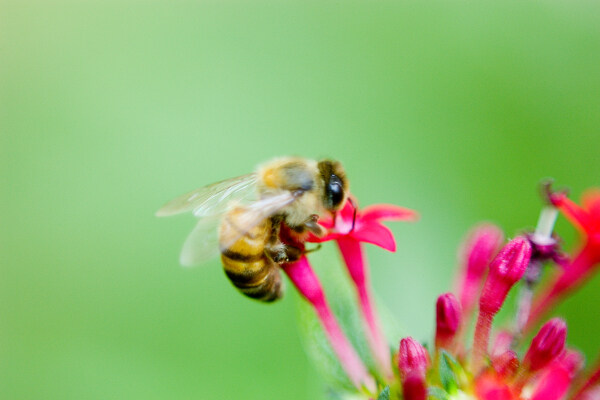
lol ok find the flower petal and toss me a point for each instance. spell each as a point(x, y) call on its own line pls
point(577, 215)
point(347, 212)
point(553, 384)
point(326, 221)
point(591, 202)
point(489, 387)
point(312, 238)
point(388, 212)
point(375, 233)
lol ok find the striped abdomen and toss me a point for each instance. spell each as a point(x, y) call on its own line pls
point(245, 262)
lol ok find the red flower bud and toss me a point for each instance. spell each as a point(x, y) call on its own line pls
point(448, 318)
point(481, 245)
point(412, 357)
point(505, 270)
point(414, 388)
point(548, 344)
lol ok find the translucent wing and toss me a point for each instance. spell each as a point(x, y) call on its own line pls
point(212, 199)
point(202, 243)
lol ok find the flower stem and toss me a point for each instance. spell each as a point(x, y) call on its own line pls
point(481, 340)
point(374, 335)
point(307, 283)
point(356, 263)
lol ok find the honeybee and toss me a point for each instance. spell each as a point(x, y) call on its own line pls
point(242, 218)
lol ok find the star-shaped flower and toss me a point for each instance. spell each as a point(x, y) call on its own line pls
point(586, 219)
point(364, 225)
point(350, 228)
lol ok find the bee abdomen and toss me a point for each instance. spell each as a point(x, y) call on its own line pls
point(245, 262)
point(259, 278)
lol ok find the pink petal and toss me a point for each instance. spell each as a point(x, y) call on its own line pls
point(591, 202)
point(375, 233)
point(575, 214)
point(354, 257)
point(388, 212)
point(482, 243)
point(489, 387)
point(326, 222)
point(591, 199)
point(347, 212)
point(312, 238)
point(553, 384)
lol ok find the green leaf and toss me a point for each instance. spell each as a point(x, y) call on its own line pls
point(385, 394)
point(447, 368)
point(437, 393)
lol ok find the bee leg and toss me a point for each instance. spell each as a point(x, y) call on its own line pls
point(313, 226)
point(294, 253)
point(317, 247)
point(277, 252)
point(282, 253)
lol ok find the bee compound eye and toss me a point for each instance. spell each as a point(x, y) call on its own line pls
point(336, 193)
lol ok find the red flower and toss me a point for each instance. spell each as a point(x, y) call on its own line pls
point(490, 387)
point(349, 229)
point(448, 318)
point(587, 220)
point(365, 225)
point(505, 270)
point(547, 345)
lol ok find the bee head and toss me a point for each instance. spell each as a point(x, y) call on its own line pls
point(335, 184)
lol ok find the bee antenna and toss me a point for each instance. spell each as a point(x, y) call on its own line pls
point(353, 215)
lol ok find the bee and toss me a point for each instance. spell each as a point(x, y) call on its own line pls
point(243, 217)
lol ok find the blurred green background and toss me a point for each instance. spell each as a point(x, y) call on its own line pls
point(110, 108)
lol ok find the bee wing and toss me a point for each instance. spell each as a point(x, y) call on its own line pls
point(212, 199)
point(202, 243)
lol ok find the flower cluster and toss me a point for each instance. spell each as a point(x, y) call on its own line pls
point(485, 364)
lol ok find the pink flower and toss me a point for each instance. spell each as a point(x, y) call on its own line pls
point(491, 387)
point(413, 361)
point(303, 277)
point(506, 364)
point(414, 387)
point(548, 344)
point(482, 244)
point(587, 220)
point(553, 383)
point(448, 318)
point(351, 228)
point(505, 270)
point(547, 371)
point(412, 357)
point(365, 225)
